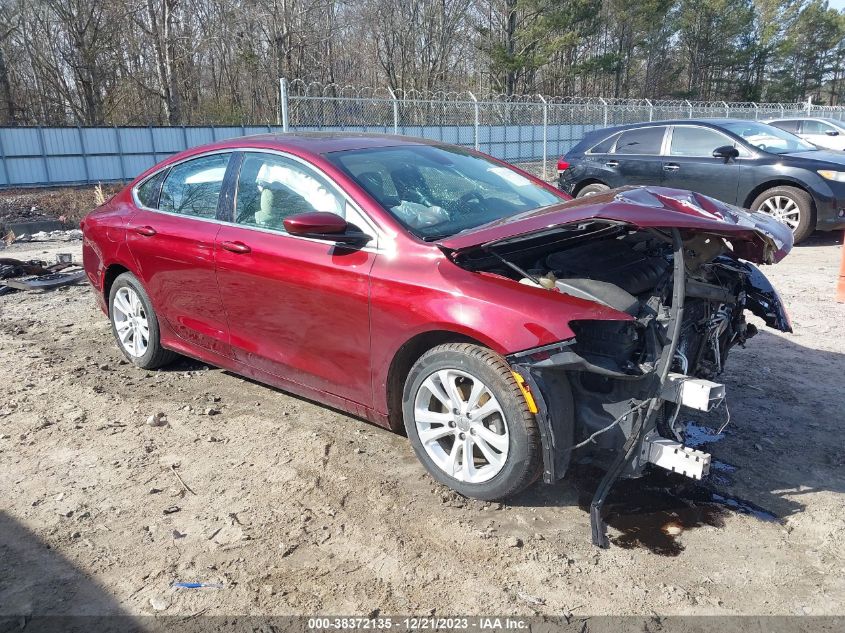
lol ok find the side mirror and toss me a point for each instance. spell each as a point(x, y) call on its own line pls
point(322, 225)
point(727, 152)
point(832, 133)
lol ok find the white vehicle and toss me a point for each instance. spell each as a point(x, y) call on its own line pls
point(820, 131)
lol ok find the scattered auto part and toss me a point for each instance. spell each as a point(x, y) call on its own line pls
point(46, 282)
point(10, 267)
point(16, 274)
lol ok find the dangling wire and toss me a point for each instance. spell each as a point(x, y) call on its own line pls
point(727, 414)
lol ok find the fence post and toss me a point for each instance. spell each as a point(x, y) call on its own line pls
point(84, 154)
point(782, 110)
point(7, 181)
point(650, 111)
point(604, 107)
point(475, 122)
point(727, 110)
point(690, 108)
point(395, 110)
point(756, 110)
point(120, 153)
point(44, 160)
point(545, 133)
point(283, 103)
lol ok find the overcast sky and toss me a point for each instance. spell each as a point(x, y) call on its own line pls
point(836, 4)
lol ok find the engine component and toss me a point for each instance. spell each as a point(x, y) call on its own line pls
point(625, 263)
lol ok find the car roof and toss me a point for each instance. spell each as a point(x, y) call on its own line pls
point(592, 137)
point(808, 118)
point(319, 142)
point(707, 122)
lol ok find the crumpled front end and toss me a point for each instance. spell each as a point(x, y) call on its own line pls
point(681, 295)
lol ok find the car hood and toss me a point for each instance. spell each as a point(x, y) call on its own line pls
point(828, 156)
point(754, 236)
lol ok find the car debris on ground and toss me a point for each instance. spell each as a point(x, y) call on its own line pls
point(48, 236)
point(16, 274)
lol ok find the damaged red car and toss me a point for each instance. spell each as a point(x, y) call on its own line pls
point(507, 329)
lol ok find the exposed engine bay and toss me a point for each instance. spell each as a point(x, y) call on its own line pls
point(681, 300)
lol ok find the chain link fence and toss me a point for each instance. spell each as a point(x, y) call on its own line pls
point(532, 128)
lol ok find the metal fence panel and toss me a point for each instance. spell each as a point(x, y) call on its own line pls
point(515, 129)
point(36, 156)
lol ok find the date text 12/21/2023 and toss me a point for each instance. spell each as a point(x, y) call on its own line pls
point(430, 623)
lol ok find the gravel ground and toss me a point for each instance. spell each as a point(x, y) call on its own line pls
point(297, 509)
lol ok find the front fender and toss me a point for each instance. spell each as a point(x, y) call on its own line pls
point(763, 300)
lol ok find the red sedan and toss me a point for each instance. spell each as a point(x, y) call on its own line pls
point(429, 287)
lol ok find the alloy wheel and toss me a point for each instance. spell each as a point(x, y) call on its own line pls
point(783, 209)
point(461, 425)
point(130, 322)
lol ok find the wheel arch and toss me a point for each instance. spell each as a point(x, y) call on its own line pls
point(405, 357)
point(776, 182)
point(112, 272)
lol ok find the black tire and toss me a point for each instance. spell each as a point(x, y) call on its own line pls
point(523, 463)
point(155, 355)
point(807, 213)
point(591, 190)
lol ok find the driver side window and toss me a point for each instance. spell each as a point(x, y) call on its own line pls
point(696, 141)
point(817, 127)
point(272, 188)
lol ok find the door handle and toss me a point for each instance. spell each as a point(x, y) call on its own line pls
point(612, 163)
point(147, 231)
point(235, 247)
point(671, 167)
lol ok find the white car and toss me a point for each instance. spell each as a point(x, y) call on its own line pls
point(823, 132)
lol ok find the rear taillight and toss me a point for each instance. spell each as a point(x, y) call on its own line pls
point(562, 165)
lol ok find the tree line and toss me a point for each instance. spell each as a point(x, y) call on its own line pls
point(92, 62)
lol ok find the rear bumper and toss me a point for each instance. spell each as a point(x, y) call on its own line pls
point(566, 182)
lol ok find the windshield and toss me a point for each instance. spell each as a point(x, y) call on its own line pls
point(767, 137)
point(437, 191)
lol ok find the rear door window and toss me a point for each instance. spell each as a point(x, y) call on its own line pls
point(641, 141)
point(817, 127)
point(193, 187)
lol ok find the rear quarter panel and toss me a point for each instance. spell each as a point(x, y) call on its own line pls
point(104, 241)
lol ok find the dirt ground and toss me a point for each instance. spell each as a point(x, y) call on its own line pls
point(293, 508)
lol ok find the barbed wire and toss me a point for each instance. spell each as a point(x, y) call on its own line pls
point(299, 88)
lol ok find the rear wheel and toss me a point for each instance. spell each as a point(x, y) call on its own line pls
point(469, 423)
point(135, 325)
point(791, 206)
point(591, 190)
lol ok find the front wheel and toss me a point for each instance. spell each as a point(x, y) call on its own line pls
point(791, 206)
point(469, 424)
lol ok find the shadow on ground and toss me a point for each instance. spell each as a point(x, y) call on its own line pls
point(41, 590)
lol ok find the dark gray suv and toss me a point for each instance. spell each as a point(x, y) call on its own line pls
point(746, 163)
